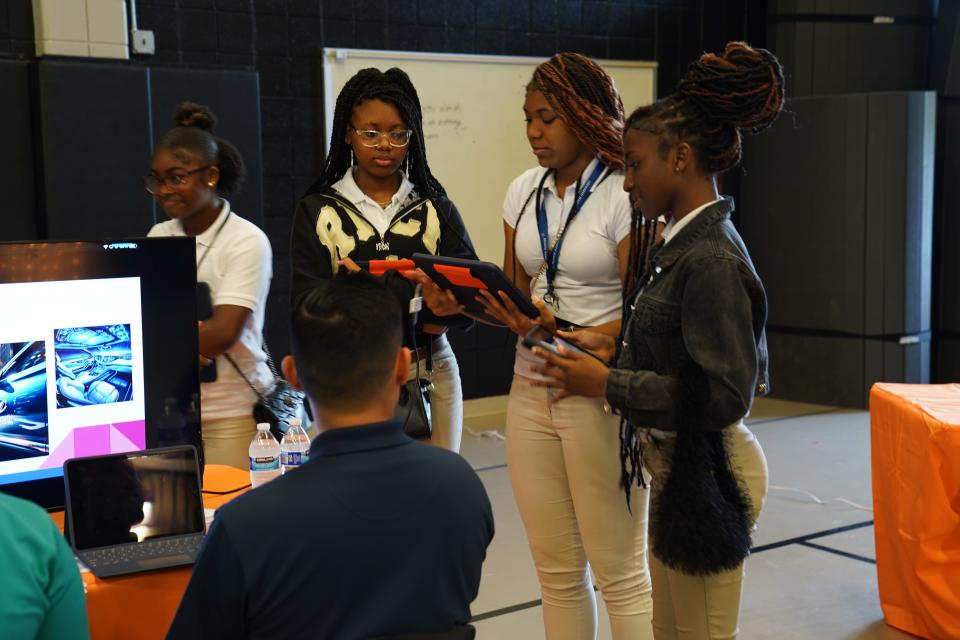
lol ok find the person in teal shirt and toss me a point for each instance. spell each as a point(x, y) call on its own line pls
point(41, 594)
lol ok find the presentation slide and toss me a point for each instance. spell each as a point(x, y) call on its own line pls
point(71, 374)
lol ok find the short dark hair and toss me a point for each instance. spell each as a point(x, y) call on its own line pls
point(345, 337)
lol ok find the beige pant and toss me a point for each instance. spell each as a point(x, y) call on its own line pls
point(227, 440)
point(564, 466)
point(446, 396)
point(696, 607)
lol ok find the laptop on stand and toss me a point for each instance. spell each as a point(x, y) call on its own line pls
point(136, 511)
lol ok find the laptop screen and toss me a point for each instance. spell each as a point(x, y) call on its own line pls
point(132, 497)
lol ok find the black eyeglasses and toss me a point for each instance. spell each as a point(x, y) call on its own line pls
point(371, 137)
point(153, 182)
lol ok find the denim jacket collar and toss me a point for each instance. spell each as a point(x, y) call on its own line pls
point(665, 255)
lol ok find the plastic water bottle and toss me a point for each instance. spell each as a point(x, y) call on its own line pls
point(295, 447)
point(264, 456)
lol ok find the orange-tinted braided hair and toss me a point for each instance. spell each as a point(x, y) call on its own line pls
point(717, 98)
point(586, 98)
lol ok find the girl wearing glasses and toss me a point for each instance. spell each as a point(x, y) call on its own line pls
point(191, 172)
point(567, 226)
point(376, 199)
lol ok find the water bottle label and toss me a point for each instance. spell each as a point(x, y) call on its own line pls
point(293, 458)
point(264, 463)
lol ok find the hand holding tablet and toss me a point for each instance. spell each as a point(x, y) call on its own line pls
point(465, 280)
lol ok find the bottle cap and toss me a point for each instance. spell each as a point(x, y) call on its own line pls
point(294, 422)
point(263, 426)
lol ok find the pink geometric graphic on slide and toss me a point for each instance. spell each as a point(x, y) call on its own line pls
point(117, 437)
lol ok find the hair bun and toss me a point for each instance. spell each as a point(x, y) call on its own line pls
point(191, 114)
point(743, 87)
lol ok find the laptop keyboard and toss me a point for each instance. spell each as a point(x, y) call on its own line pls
point(160, 548)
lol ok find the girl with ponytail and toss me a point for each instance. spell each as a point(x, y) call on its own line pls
point(573, 209)
point(692, 352)
point(377, 199)
point(191, 173)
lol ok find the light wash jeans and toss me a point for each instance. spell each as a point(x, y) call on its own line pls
point(446, 396)
point(703, 607)
point(564, 466)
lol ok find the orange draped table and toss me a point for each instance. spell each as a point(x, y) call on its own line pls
point(141, 605)
point(915, 453)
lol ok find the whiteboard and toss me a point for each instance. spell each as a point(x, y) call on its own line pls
point(473, 121)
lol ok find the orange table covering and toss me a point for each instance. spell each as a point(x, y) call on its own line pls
point(141, 606)
point(915, 453)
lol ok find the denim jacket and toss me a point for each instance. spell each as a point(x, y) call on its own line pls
point(701, 301)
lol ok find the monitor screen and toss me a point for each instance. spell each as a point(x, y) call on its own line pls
point(98, 355)
point(134, 497)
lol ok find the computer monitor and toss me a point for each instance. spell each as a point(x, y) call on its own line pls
point(98, 354)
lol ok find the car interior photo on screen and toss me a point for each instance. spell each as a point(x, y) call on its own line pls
point(93, 365)
point(23, 400)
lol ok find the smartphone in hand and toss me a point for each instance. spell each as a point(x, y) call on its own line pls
point(540, 336)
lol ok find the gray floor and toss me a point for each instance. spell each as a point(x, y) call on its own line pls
point(812, 575)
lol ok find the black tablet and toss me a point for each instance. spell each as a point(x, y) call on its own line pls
point(465, 278)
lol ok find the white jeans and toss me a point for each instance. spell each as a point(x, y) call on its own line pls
point(446, 396)
point(564, 466)
point(703, 607)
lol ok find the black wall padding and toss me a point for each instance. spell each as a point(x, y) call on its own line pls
point(18, 218)
point(95, 134)
point(485, 356)
point(948, 213)
point(838, 371)
point(947, 269)
point(836, 208)
point(235, 98)
point(829, 46)
point(948, 359)
point(945, 61)
point(802, 209)
point(899, 212)
point(903, 8)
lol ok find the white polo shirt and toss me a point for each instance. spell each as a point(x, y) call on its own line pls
point(237, 267)
point(588, 275)
point(379, 217)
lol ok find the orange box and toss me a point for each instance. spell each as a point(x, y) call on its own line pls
point(915, 454)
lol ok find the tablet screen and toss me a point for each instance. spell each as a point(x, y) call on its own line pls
point(133, 497)
point(466, 278)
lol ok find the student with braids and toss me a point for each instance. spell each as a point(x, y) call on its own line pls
point(191, 172)
point(693, 348)
point(567, 225)
point(377, 200)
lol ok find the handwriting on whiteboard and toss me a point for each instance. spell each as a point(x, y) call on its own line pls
point(442, 120)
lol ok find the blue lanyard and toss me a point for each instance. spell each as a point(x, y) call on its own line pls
point(551, 257)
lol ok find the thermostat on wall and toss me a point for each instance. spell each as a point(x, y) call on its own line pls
point(142, 42)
